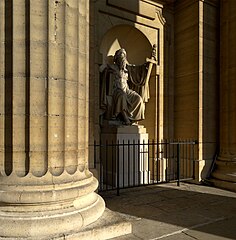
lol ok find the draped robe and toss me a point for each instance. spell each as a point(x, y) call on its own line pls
point(124, 91)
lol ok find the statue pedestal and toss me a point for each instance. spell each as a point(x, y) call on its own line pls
point(131, 155)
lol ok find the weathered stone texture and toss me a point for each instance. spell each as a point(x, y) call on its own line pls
point(43, 120)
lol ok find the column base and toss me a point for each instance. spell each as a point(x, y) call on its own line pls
point(43, 212)
point(47, 225)
point(224, 175)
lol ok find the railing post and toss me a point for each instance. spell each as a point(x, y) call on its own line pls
point(101, 166)
point(143, 161)
point(106, 161)
point(112, 165)
point(118, 169)
point(139, 172)
point(148, 156)
point(194, 142)
point(133, 162)
point(178, 164)
point(128, 163)
point(95, 156)
point(123, 161)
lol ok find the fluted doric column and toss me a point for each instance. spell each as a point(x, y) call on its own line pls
point(226, 164)
point(46, 188)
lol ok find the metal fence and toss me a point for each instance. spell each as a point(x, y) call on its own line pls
point(131, 164)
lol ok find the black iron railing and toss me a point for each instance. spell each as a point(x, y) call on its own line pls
point(131, 164)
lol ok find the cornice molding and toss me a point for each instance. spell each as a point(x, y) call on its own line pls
point(160, 16)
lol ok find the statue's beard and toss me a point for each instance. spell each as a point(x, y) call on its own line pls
point(121, 63)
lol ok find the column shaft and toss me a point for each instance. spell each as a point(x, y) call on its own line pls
point(83, 85)
point(71, 86)
point(56, 87)
point(2, 88)
point(225, 169)
point(227, 82)
point(19, 161)
point(231, 76)
point(38, 93)
point(44, 120)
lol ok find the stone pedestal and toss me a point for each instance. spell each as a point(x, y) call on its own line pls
point(128, 149)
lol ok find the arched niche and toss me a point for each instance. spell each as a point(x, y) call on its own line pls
point(135, 43)
point(138, 48)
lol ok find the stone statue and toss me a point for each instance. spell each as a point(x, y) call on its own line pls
point(124, 89)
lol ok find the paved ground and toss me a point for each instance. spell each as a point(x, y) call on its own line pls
point(169, 212)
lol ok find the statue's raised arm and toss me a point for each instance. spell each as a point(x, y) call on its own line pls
point(124, 89)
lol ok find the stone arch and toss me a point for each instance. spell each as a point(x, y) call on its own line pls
point(128, 37)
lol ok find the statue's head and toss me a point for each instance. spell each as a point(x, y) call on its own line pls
point(120, 57)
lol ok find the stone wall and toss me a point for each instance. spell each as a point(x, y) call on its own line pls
point(184, 101)
point(196, 78)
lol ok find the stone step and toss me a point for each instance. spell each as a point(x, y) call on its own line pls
point(231, 186)
point(224, 175)
point(110, 225)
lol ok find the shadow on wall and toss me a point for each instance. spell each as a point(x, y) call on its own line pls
point(131, 39)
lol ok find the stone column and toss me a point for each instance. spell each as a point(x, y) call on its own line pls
point(226, 164)
point(46, 189)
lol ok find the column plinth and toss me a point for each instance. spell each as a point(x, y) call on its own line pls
point(49, 209)
point(225, 172)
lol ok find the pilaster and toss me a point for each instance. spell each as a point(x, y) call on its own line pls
point(196, 80)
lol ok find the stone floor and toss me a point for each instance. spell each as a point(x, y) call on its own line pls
point(169, 212)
